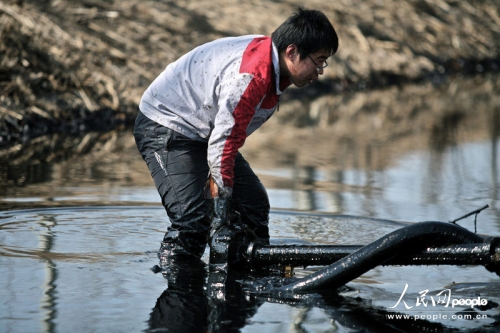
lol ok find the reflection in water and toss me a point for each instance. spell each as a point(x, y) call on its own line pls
point(48, 302)
point(445, 130)
point(352, 165)
point(25, 174)
point(494, 134)
point(183, 306)
point(194, 302)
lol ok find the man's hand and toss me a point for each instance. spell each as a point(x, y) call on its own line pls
point(216, 191)
point(221, 208)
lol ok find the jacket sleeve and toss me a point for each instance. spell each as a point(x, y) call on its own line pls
point(239, 98)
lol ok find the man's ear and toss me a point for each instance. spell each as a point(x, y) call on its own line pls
point(292, 52)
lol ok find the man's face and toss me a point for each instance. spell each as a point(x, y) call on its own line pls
point(307, 70)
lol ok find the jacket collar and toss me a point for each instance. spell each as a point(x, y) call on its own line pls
point(280, 86)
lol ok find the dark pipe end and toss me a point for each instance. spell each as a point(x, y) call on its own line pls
point(494, 264)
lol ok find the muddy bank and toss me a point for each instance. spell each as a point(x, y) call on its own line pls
point(77, 66)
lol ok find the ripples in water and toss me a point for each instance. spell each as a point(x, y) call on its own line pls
point(89, 268)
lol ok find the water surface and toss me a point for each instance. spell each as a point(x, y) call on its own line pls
point(79, 235)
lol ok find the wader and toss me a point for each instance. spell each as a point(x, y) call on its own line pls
point(180, 171)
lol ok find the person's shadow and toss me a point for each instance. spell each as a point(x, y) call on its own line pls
point(197, 300)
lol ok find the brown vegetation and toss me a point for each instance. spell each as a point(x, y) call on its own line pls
point(81, 65)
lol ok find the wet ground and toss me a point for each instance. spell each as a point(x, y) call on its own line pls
point(79, 234)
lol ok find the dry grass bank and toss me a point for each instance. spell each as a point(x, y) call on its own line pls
point(67, 61)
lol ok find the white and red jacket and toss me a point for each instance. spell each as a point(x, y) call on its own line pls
point(219, 92)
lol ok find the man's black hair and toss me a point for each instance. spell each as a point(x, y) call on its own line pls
point(309, 30)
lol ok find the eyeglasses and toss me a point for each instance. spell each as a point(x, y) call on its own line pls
point(318, 67)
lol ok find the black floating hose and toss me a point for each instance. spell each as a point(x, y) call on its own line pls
point(404, 241)
point(324, 255)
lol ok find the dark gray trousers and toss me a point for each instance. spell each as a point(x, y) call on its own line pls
point(180, 171)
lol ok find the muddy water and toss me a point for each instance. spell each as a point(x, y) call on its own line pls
point(78, 239)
